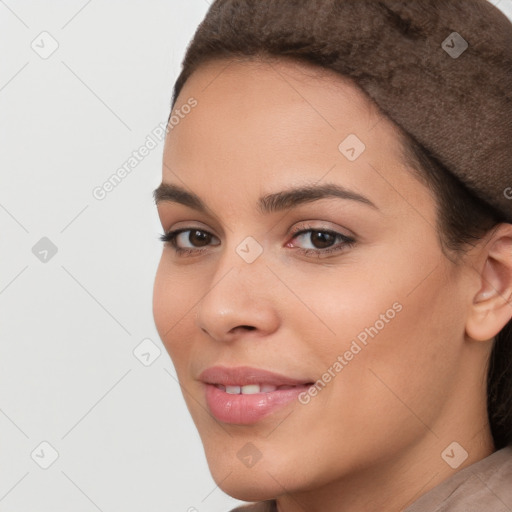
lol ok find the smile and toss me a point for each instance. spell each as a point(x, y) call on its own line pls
point(244, 395)
point(251, 389)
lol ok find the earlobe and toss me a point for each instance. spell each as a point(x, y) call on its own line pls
point(492, 304)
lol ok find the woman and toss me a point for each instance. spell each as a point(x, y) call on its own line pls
point(335, 289)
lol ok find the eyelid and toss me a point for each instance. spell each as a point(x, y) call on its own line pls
point(347, 241)
point(308, 226)
point(174, 233)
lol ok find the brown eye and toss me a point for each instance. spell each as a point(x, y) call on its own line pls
point(322, 241)
point(198, 238)
point(188, 240)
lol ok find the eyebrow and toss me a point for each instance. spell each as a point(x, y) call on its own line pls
point(269, 203)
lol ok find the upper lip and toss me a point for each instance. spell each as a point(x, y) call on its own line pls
point(244, 375)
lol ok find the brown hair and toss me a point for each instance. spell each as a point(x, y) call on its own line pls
point(463, 218)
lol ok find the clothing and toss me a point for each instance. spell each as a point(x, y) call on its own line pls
point(485, 486)
point(262, 506)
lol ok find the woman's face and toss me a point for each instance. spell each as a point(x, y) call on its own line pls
point(362, 301)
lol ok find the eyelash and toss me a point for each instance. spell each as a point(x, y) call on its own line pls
point(347, 242)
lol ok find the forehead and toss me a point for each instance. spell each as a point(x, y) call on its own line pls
point(262, 70)
point(271, 84)
point(273, 97)
point(263, 122)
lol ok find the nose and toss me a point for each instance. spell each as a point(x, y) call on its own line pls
point(239, 298)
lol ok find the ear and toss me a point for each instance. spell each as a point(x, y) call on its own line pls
point(492, 305)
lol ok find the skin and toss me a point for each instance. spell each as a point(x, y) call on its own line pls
point(372, 438)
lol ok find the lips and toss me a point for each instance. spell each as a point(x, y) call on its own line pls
point(245, 395)
point(246, 376)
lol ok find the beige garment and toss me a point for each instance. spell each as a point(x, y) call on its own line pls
point(262, 506)
point(485, 486)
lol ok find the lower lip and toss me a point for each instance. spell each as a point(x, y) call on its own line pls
point(246, 409)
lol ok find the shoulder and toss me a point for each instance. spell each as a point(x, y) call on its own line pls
point(484, 485)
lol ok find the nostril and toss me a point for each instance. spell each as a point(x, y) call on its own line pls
point(247, 327)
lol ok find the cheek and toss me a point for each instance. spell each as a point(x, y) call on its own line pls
point(161, 296)
point(396, 335)
point(398, 377)
point(172, 300)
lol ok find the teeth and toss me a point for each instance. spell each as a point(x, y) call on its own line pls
point(250, 389)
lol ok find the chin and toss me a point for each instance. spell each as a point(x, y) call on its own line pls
point(268, 478)
point(249, 485)
point(252, 492)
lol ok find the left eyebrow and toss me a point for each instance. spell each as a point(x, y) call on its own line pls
point(277, 201)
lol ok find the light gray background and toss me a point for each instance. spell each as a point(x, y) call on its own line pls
point(69, 324)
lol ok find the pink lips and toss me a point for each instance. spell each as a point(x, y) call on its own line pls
point(244, 409)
